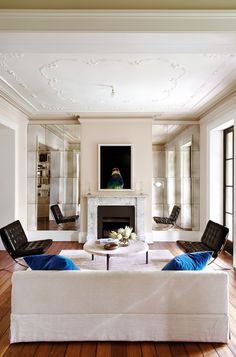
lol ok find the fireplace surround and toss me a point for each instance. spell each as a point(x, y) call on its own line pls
point(111, 218)
point(136, 201)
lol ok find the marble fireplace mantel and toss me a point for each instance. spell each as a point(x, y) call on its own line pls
point(95, 200)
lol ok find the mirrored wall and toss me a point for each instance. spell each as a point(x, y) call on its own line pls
point(53, 175)
point(176, 174)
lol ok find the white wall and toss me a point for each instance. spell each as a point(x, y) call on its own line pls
point(7, 177)
point(223, 113)
point(12, 119)
point(116, 131)
point(216, 175)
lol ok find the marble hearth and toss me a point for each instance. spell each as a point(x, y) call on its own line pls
point(93, 201)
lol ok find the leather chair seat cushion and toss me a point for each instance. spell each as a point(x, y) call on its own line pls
point(35, 247)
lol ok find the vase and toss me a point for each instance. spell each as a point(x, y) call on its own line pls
point(124, 242)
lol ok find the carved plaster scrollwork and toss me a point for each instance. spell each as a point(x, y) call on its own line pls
point(174, 70)
point(95, 62)
point(53, 81)
point(178, 72)
point(52, 108)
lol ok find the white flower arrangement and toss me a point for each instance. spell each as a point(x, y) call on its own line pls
point(123, 233)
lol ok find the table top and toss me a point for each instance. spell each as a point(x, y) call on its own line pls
point(135, 247)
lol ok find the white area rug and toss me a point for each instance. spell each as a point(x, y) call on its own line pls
point(157, 260)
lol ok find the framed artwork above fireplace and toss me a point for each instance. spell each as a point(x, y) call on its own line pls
point(115, 167)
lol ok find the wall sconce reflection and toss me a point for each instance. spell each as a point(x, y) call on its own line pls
point(160, 186)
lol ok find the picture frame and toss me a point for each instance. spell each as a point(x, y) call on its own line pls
point(115, 156)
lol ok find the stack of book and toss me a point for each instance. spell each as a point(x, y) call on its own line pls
point(104, 241)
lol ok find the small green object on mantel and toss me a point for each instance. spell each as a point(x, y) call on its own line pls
point(116, 181)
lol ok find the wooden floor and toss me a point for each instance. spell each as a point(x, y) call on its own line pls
point(43, 224)
point(110, 349)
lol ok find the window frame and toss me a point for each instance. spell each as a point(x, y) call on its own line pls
point(229, 244)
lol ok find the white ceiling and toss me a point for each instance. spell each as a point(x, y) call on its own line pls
point(167, 76)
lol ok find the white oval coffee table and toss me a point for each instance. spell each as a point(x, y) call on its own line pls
point(133, 248)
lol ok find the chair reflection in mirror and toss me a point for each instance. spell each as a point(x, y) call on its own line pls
point(171, 220)
point(60, 218)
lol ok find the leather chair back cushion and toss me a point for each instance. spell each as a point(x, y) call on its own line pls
point(57, 213)
point(215, 235)
point(174, 213)
point(13, 236)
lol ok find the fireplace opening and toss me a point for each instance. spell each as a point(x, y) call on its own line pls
point(111, 218)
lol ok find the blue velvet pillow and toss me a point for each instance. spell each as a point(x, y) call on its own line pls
point(50, 262)
point(189, 261)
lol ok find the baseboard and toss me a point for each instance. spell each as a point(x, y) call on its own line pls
point(173, 236)
point(57, 236)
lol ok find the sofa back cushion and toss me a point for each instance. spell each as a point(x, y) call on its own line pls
point(113, 292)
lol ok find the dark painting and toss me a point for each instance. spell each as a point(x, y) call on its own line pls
point(115, 156)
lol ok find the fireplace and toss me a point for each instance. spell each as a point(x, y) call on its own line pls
point(111, 218)
point(129, 200)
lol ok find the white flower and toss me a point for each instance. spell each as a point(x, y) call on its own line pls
point(127, 232)
point(121, 233)
point(113, 234)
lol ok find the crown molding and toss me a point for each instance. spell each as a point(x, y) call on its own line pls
point(175, 122)
point(225, 105)
point(9, 114)
point(117, 20)
point(114, 119)
point(14, 103)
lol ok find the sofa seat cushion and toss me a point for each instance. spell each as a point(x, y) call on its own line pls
point(189, 261)
point(50, 262)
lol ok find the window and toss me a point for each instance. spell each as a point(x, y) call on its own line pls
point(229, 185)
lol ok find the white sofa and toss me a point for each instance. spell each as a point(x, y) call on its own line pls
point(128, 306)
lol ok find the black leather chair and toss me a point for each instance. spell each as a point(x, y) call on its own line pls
point(59, 218)
point(17, 244)
point(213, 239)
point(171, 219)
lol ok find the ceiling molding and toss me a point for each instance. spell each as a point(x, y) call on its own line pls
point(117, 20)
point(114, 119)
point(175, 122)
point(223, 105)
point(66, 121)
point(15, 103)
point(218, 100)
point(9, 111)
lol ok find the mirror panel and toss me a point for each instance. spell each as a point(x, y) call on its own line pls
point(176, 174)
point(53, 174)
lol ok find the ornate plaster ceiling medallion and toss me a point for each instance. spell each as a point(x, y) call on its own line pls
point(76, 84)
point(176, 72)
point(178, 85)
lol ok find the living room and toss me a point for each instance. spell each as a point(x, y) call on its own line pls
point(23, 40)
